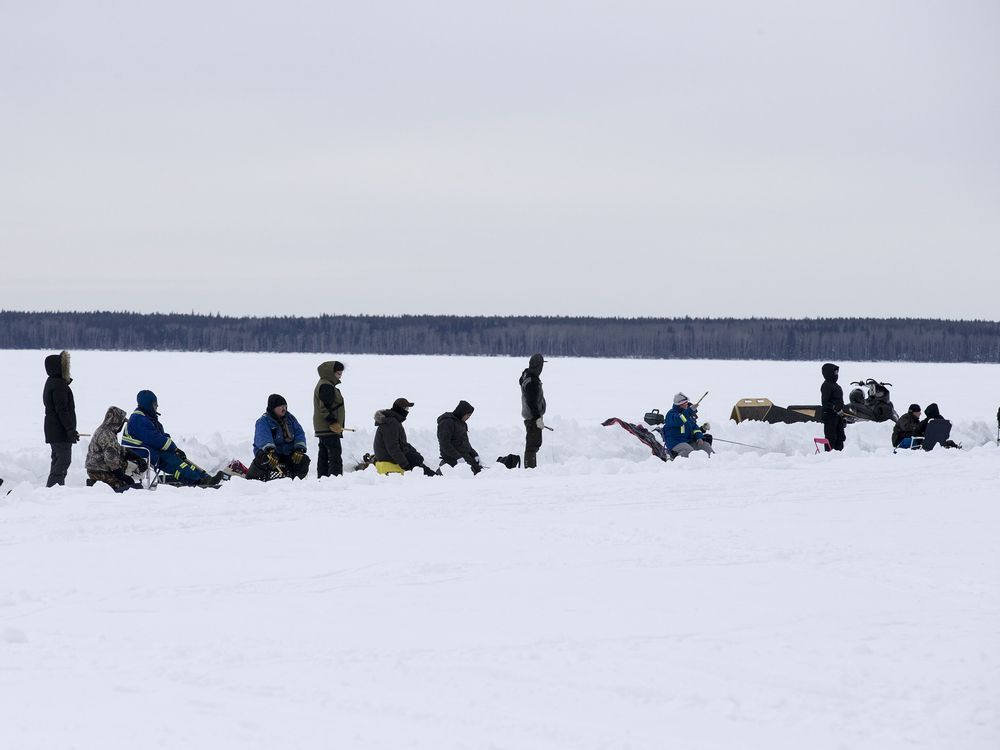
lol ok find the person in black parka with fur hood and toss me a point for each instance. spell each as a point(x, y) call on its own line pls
point(453, 437)
point(832, 399)
point(60, 416)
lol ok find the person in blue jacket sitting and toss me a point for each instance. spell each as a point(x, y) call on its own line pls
point(279, 444)
point(681, 433)
point(143, 430)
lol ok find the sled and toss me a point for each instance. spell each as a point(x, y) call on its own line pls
point(765, 410)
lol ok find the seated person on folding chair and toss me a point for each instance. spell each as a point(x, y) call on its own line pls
point(107, 459)
point(279, 444)
point(145, 431)
point(908, 427)
point(681, 433)
point(931, 419)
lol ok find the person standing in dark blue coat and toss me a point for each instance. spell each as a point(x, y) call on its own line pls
point(279, 444)
point(681, 433)
point(144, 430)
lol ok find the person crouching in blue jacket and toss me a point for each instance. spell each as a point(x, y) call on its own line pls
point(143, 430)
point(681, 433)
point(279, 444)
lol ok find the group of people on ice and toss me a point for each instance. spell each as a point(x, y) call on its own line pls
point(280, 448)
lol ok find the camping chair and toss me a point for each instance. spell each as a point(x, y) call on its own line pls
point(152, 477)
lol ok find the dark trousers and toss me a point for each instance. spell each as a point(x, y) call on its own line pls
point(263, 472)
point(834, 431)
point(62, 455)
point(532, 442)
point(330, 459)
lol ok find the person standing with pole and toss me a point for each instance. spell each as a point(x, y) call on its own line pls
point(328, 419)
point(532, 409)
point(60, 416)
point(832, 400)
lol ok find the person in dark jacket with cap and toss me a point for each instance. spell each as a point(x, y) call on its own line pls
point(60, 416)
point(393, 454)
point(279, 444)
point(453, 437)
point(532, 409)
point(907, 427)
point(832, 400)
point(328, 419)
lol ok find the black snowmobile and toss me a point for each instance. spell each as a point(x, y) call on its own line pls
point(870, 402)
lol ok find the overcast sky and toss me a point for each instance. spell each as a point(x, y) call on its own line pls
point(579, 158)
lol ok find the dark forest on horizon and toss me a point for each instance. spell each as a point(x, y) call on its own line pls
point(849, 339)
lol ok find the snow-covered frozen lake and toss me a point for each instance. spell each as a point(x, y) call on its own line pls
point(757, 599)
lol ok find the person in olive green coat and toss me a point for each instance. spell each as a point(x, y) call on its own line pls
point(328, 419)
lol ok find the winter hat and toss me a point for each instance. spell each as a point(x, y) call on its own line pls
point(680, 398)
point(463, 408)
point(914, 407)
point(147, 402)
point(274, 401)
point(535, 363)
point(402, 404)
point(830, 371)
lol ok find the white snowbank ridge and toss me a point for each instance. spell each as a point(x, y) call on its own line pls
point(606, 600)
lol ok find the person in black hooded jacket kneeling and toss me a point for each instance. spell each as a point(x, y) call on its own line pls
point(453, 437)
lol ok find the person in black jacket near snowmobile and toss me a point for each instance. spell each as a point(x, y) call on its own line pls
point(453, 437)
point(832, 400)
point(60, 416)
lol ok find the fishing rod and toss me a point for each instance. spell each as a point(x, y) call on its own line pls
point(733, 442)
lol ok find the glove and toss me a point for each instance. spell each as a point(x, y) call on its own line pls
point(270, 459)
point(706, 427)
point(540, 424)
point(181, 454)
point(336, 428)
point(297, 457)
point(476, 468)
point(141, 463)
point(428, 471)
point(74, 436)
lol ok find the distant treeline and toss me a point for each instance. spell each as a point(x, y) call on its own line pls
point(864, 339)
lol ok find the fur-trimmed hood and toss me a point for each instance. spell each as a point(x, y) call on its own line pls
point(57, 366)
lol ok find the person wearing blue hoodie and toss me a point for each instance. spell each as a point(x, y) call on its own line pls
point(279, 444)
point(143, 430)
point(681, 433)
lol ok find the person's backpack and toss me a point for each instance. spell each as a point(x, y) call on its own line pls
point(511, 461)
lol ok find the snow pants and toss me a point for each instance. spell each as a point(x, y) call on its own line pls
point(182, 470)
point(834, 430)
point(330, 459)
point(683, 450)
point(532, 442)
point(62, 456)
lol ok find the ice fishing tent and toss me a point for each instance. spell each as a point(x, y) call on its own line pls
point(764, 410)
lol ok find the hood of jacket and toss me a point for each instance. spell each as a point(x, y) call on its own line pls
point(463, 408)
point(449, 416)
point(114, 418)
point(831, 371)
point(57, 366)
point(535, 364)
point(327, 371)
point(383, 415)
point(147, 403)
point(932, 411)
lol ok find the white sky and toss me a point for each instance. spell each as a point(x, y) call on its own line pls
point(618, 158)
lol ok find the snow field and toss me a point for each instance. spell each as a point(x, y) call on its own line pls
point(605, 600)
